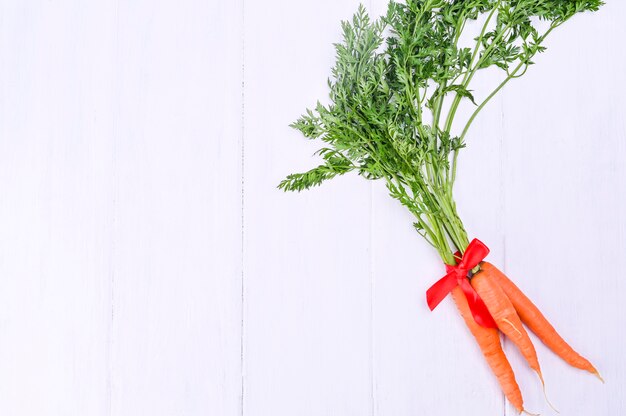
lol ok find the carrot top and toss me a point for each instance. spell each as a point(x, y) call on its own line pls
point(396, 87)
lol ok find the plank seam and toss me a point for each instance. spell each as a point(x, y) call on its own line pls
point(113, 247)
point(372, 305)
point(372, 288)
point(243, 287)
point(502, 208)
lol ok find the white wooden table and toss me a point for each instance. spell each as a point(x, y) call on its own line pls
point(149, 265)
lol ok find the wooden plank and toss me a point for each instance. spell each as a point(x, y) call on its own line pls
point(307, 283)
point(56, 207)
point(422, 356)
point(564, 207)
point(177, 280)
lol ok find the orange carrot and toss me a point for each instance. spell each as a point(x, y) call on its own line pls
point(489, 341)
point(536, 322)
point(504, 314)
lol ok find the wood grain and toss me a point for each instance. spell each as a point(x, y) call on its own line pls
point(306, 270)
point(55, 207)
point(565, 228)
point(176, 346)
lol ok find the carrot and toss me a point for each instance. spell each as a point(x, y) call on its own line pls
point(504, 314)
point(489, 341)
point(532, 317)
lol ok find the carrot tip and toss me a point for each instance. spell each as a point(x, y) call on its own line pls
point(528, 413)
point(543, 383)
point(545, 395)
point(595, 373)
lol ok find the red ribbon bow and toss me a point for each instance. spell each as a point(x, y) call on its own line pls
point(457, 275)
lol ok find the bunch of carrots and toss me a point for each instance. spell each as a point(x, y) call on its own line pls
point(510, 308)
point(395, 92)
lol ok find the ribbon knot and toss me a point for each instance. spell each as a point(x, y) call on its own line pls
point(456, 275)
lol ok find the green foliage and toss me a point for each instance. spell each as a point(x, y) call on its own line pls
point(386, 119)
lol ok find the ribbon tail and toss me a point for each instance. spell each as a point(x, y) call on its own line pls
point(440, 290)
point(477, 307)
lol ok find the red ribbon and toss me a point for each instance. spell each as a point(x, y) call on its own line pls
point(457, 275)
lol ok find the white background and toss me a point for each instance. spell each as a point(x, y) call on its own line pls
point(149, 265)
